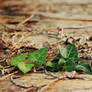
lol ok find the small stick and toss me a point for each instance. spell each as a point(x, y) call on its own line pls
point(4, 77)
point(48, 85)
point(35, 88)
point(21, 23)
point(22, 86)
point(49, 74)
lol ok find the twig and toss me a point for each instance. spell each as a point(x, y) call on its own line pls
point(21, 23)
point(35, 88)
point(4, 77)
point(49, 74)
point(48, 85)
point(21, 86)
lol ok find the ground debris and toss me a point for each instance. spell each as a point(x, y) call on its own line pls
point(28, 25)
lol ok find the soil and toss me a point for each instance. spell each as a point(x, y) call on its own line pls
point(28, 25)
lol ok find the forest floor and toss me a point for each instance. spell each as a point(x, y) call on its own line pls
point(25, 25)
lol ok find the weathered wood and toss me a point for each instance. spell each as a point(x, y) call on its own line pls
point(75, 17)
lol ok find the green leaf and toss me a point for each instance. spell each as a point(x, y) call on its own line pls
point(63, 52)
point(25, 67)
point(56, 59)
point(70, 53)
point(38, 57)
point(61, 61)
point(84, 67)
point(52, 66)
point(14, 61)
point(69, 66)
point(19, 63)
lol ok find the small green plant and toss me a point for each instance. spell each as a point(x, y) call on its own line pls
point(66, 60)
point(35, 59)
point(38, 57)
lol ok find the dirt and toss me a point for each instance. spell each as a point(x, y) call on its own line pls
point(53, 22)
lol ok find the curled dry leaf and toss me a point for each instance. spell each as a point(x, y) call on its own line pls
point(2, 45)
point(70, 75)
